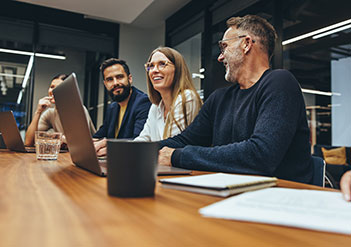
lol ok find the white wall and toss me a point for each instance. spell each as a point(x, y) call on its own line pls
point(341, 117)
point(135, 46)
point(46, 69)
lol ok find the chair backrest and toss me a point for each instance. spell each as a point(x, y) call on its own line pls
point(317, 151)
point(318, 171)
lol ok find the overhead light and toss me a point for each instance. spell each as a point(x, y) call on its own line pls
point(25, 79)
point(27, 53)
point(19, 97)
point(28, 70)
point(11, 75)
point(50, 56)
point(310, 34)
point(311, 91)
point(332, 31)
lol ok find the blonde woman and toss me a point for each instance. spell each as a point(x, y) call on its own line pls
point(175, 102)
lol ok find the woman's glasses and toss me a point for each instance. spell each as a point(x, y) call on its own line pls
point(161, 65)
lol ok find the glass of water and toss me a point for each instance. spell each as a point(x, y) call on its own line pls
point(47, 145)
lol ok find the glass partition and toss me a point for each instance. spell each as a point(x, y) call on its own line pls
point(191, 51)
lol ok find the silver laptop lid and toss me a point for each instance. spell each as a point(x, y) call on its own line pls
point(75, 125)
point(10, 132)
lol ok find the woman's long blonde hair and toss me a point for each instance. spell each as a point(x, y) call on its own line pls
point(181, 82)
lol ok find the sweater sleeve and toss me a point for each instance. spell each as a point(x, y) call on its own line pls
point(44, 120)
point(280, 107)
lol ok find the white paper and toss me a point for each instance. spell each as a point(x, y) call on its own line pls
point(309, 209)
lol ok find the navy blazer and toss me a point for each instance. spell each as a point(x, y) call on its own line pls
point(133, 120)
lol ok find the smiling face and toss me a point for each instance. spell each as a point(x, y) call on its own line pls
point(117, 82)
point(162, 73)
point(232, 56)
point(53, 84)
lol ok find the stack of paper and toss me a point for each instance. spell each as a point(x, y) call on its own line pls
point(219, 184)
point(310, 209)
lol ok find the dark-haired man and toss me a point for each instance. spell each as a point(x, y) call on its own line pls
point(126, 116)
point(46, 116)
point(256, 126)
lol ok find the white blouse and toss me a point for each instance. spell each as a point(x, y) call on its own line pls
point(155, 123)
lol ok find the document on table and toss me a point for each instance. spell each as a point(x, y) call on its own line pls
point(309, 209)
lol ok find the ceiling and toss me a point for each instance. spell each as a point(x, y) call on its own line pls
point(140, 13)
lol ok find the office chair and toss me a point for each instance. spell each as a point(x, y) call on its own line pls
point(320, 176)
point(318, 171)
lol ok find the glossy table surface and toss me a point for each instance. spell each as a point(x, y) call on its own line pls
point(54, 203)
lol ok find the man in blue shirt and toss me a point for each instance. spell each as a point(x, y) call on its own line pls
point(126, 116)
point(256, 126)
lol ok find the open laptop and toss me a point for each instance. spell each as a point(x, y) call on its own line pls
point(79, 140)
point(11, 134)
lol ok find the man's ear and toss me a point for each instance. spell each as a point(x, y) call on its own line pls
point(247, 44)
point(130, 78)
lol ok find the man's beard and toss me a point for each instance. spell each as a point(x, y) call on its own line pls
point(122, 96)
point(235, 61)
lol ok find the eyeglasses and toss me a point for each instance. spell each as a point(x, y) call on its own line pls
point(161, 65)
point(222, 45)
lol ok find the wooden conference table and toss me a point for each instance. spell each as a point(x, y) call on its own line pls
point(54, 203)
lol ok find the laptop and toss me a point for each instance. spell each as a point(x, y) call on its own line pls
point(11, 134)
point(79, 140)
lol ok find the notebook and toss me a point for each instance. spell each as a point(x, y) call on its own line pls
point(219, 184)
point(79, 140)
point(11, 134)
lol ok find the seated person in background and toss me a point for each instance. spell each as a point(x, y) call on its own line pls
point(256, 126)
point(345, 185)
point(46, 116)
point(175, 102)
point(126, 115)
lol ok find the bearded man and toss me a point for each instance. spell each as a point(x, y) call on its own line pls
point(126, 116)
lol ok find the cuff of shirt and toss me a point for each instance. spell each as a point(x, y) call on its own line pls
point(175, 159)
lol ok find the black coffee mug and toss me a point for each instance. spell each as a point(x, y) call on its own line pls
point(131, 168)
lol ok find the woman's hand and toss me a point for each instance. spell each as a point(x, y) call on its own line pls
point(43, 104)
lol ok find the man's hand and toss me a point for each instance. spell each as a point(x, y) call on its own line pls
point(100, 147)
point(43, 104)
point(345, 185)
point(165, 155)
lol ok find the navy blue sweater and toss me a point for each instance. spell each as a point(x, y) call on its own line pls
point(261, 130)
